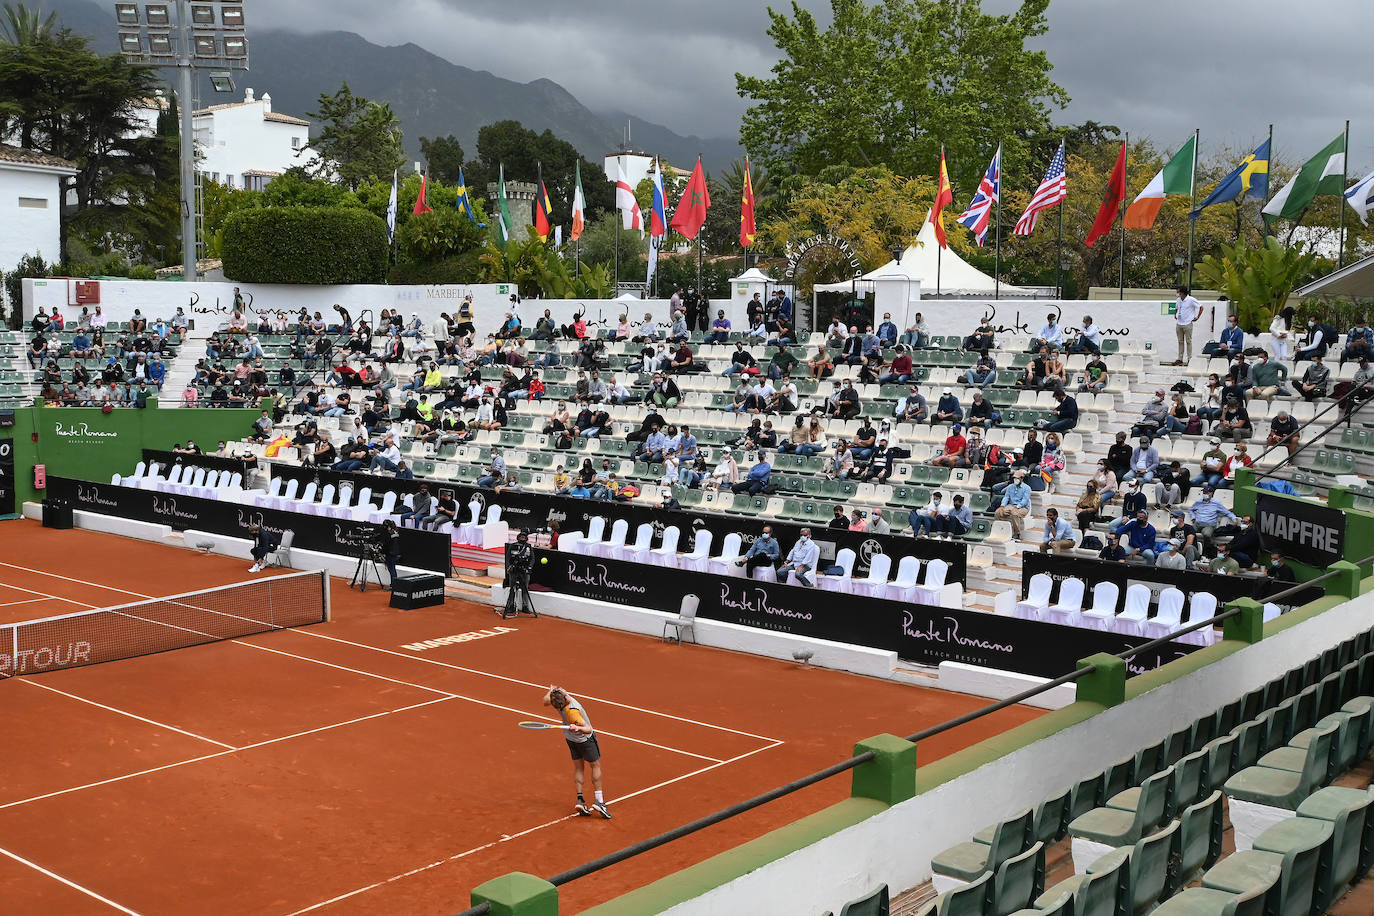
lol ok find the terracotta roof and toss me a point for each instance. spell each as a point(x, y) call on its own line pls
point(284, 119)
point(31, 157)
point(263, 172)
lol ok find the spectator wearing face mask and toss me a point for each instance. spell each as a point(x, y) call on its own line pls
point(801, 559)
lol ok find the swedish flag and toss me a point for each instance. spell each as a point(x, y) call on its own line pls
point(463, 203)
point(1250, 178)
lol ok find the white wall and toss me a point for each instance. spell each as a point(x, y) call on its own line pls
point(210, 304)
point(235, 140)
point(895, 847)
point(27, 230)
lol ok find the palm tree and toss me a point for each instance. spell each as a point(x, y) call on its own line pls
point(759, 179)
point(21, 26)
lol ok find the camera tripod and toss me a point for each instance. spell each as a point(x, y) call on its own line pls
point(366, 560)
point(518, 595)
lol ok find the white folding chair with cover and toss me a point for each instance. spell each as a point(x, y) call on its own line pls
point(1037, 598)
point(467, 532)
point(1131, 621)
point(700, 557)
point(1103, 610)
point(903, 588)
point(666, 555)
point(620, 530)
point(638, 552)
point(874, 585)
point(1169, 617)
point(928, 592)
point(1068, 610)
point(723, 563)
point(1201, 606)
point(843, 582)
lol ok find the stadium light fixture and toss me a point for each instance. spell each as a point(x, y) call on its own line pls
point(158, 15)
point(206, 46)
point(235, 47)
point(130, 43)
point(202, 15)
point(222, 81)
point(231, 16)
point(160, 45)
point(126, 13)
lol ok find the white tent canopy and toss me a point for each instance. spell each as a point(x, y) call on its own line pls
point(925, 263)
point(752, 275)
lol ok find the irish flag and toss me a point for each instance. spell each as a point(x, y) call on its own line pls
point(1175, 178)
point(579, 206)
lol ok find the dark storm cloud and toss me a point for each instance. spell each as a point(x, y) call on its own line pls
point(1158, 69)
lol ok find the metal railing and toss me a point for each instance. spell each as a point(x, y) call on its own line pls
point(628, 852)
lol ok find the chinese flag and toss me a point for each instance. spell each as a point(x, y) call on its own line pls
point(690, 215)
point(746, 215)
point(944, 196)
point(420, 205)
point(1112, 196)
point(542, 209)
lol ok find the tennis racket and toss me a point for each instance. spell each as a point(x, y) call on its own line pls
point(541, 725)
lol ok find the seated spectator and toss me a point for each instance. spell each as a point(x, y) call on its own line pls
point(1058, 536)
point(720, 329)
point(984, 374)
point(848, 405)
point(1245, 544)
point(924, 521)
point(947, 409)
point(801, 559)
point(1132, 501)
point(1172, 485)
point(1278, 569)
point(839, 521)
point(1239, 459)
point(952, 456)
point(900, 370)
point(740, 361)
point(757, 480)
point(887, 331)
point(1268, 377)
point(1037, 371)
point(1112, 551)
point(725, 474)
point(1051, 335)
point(804, 440)
point(820, 365)
point(1223, 564)
point(1095, 375)
point(1234, 423)
point(1104, 480)
point(865, 440)
point(916, 335)
point(664, 392)
point(1088, 507)
point(1232, 341)
point(1315, 380)
point(1186, 535)
point(1212, 468)
point(1144, 462)
point(1283, 430)
point(981, 338)
point(1065, 412)
point(1015, 502)
point(679, 333)
point(842, 463)
point(1208, 513)
point(1320, 338)
point(1171, 558)
point(1140, 538)
point(763, 552)
point(1089, 338)
point(912, 408)
point(1359, 341)
point(1055, 371)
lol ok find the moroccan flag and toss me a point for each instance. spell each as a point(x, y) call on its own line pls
point(690, 214)
point(1175, 178)
point(420, 205)
point(746, 211)
point(579, 207)
point(944, 196)
point(543, 210)
point(1324, 173)
point(1112, 196)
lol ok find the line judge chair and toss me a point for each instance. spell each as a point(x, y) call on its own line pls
point(685, 622)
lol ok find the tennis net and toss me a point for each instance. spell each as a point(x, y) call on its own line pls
point(161, 624)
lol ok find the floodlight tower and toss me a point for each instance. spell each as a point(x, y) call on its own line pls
point(206, 35)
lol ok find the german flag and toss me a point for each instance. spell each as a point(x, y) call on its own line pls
point(543, 210)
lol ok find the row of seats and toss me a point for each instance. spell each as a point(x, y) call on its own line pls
point(1133, 620)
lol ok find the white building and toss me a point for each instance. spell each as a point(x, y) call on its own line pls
point(247, 144)
point(31, 205)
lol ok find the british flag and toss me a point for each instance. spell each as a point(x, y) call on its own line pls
point(1052, 190)
point(979, 212)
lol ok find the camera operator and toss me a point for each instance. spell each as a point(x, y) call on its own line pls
point(519, 562)
point(390, 547)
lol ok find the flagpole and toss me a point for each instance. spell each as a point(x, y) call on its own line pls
point(698, 239)
point(1059, 257)
point(1192, 223)
point(1121, 218)
point(1345, 169)
point(617, 251)
point(997, 232)
point(1268, 183)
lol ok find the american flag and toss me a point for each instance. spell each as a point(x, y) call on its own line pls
point(979, 212)
point(1052, 190)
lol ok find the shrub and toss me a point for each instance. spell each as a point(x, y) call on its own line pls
point(315, 245)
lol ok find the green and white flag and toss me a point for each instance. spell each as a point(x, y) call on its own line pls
point(505, 226)
point(1324, 173)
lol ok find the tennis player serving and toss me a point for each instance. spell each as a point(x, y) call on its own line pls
point(581, 738)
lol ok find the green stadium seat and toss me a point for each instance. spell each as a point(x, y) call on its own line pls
point(1102, 893)
point(1122, 827)
point(1202, 901)
point(973, 899)
point(1282, 788)
point(875, 904)
point(1300, 847)
point(1348, 811)
point(967, 861)
point(1020, 880)
point(1200, 836)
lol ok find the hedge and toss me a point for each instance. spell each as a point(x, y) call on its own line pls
point(315, 245)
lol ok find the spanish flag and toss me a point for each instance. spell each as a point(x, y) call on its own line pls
point(276, 445)
point(543, 210)
point(944, 196)
point(746, 215)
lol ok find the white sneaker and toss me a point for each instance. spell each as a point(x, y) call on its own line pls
point(254, 568)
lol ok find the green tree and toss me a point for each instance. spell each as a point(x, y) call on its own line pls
point(888, 84)
point(443, 157)
point(359, 140)
point(1257, 280)
point(522, 152)
point(23, 26)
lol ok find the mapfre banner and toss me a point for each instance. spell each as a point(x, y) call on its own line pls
point(1300, 529)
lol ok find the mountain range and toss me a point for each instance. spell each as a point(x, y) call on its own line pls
point(431, 96)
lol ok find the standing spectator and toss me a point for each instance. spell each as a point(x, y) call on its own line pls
point(1187, 310)
point(1280, 330)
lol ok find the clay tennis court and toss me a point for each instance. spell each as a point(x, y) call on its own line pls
point(331, 769)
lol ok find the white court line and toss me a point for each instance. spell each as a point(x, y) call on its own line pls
point(204, 757)
point(122, 712)
point(72, 884)
point(44, 572)
point(508, 837)
point(25, 601)
point(31, 591)
point(444, 665)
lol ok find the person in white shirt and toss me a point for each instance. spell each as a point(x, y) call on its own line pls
point(1187, 310)
point(922, 520)
point(801, 559)
point(726, 472)
point(179, 320)
point(98, 320)
point(1051, 335)
point(786, 400)
point(1089, 338)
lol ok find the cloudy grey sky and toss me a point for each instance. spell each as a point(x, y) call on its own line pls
point(1159, 69)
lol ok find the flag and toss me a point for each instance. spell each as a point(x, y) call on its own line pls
point(276, 445)
point(1112, 196)
point(625, 200)
point(420, 205)
point(979, 212)
point(658, 210)
point(579, 207)
point(655, 242)
point(747, 229)
point(462, 203)
point(1175, 178)
point(1361, 197)
point(543, 210)
point(1053, 189)
point(558, 236)
point(504, 225)
point(391, 207)
point(944, 196)
point(1324, 173)
point(690, 214)
point(1250, 177)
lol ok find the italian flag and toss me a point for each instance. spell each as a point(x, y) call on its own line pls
point(1175, 178)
